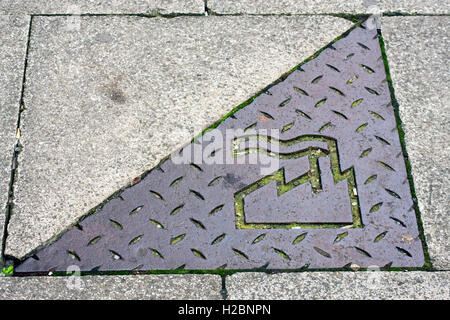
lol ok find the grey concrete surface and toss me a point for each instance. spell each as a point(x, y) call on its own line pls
point(374, 285)
point(109, 97)
point(417, 50)
point(144, 287)
point(334, 6)
point(13, 43)
point(101, 7)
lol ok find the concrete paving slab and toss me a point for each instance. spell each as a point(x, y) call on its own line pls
point(375, 285)
point(334, 6)
point(13, 43)
point(131, 287)
point(102, 7)
point(108, 100)
point(417, 50)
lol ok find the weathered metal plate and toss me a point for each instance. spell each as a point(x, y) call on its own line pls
point(327, 186)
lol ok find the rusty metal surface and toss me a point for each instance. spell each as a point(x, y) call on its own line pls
point(335, 112)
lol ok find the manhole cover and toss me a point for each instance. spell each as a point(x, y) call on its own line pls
point(311, 173)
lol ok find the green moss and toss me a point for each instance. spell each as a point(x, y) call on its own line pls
point(337, 91)
point(385, 165)
point(216, 209)
point(156, 253)
point(156, 224)
point(370, 179)
point(94, 240)
point(198, 253)
point(177, 239)
point(376, 207)
point(135, 210)
point(73, 255)
point(218, 239)
point(361, 127)
point(259, 238)
point(352, 79)
point(176, 210)
point(365, 152)
point(282, 104)
point(325, 127)
point(312, 176)
point(177, 180)
point(7, 271)
point(340, 115)
point(355, 18)
point(357, 102)
point(340, 236)
point(116, 224)
point(299, 238)
point(282, 253)
point(380, 236)
point(301, 91)
point(367, 68)
point(240, 253)
point(376, 115)
point(287, 127)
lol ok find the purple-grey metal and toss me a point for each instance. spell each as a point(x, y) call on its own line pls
point(184, 216)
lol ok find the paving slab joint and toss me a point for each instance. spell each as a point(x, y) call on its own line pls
point(153, 14)
point(224, 291)
point(409, 14)
point(6, 260)
point(355, 18)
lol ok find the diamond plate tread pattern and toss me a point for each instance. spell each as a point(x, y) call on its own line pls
point(185, 216)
